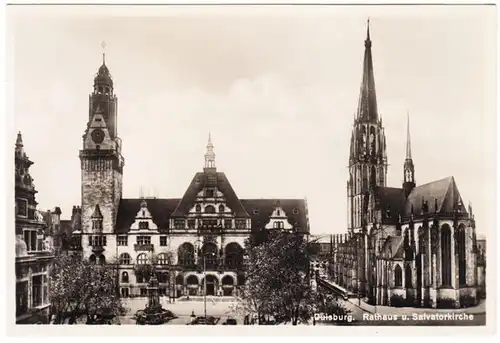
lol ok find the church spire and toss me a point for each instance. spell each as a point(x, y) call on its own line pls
point(367, 104)
point(210, 155)
point(408, 139)
point(408, 168)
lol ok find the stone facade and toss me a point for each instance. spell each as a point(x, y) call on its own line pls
point(408, 246)
point(184, 240)
point(33, 253)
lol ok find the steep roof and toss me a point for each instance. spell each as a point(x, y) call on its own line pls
point(201, 180)
point(445, 191)
point(261, 209)
point(160, 209)
point(390, 201)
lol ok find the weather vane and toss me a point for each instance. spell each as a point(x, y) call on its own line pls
point(103, 45)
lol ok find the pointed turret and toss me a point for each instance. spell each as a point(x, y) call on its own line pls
point(367, 105)
point(210, 156)
point(408, 168)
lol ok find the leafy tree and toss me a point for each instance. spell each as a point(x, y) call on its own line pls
point(80, 288)
point(277, 278)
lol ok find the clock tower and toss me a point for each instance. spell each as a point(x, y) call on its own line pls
point(101, 161)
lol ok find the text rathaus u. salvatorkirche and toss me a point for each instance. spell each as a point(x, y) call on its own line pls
point(413, 245)
point(204, 230)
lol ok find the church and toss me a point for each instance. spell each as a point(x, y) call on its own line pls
point(193, 244)
point(413, 245)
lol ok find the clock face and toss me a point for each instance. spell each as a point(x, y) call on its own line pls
point(98, 136)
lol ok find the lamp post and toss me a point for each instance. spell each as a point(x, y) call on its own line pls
point(205, 281)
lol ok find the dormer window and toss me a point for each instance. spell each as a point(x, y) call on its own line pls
point(255, 211)
point(98, 119)
point(295, 211)
point(143, 225)
point(221, 208)
point(209, 209)
point(198, 208)
point(278, 212)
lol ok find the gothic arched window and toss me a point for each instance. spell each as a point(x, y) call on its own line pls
point(398, 276)
point(445, 255)
point(408, 277)
point(462, 261)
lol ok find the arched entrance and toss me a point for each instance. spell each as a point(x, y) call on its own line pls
point(227, 285)
point(179, 284)
point(192, 284)
point(211, 286)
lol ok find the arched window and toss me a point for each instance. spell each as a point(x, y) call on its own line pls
point(398, 276)
point(209, 252)
point(162, 258)
point(209, 209)
point(162, 277)
point(186, 254)
point(445, 255)
point(462, 261)
point(102, 259)
point(142, 259)
point(408, 279)
point(278, 224)
point(125, 277)
point(92, 259)
point(125, 258)
point(198, 208)
point(234, 256)
point(221, 208)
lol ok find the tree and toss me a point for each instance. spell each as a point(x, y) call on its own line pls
point(277, 279)
point(80, 288)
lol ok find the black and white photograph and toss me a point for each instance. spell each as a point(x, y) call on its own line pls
point(317, 166)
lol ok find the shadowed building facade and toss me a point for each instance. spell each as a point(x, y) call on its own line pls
point(411, 245)
point(33, 256)
point(205, 229)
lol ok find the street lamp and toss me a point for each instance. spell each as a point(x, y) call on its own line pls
point(205, 280)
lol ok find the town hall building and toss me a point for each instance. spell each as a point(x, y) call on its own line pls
point(194, 243)
point(413, 245)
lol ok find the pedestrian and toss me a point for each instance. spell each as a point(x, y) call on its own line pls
point(192, 317)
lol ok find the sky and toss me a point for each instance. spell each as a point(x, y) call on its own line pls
point(276, 87)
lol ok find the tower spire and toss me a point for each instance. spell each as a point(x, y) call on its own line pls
point(210, 155)
point(367, 104)
point(408, 137)
point(408, 168)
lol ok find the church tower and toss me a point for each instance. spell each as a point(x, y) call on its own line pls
point(101, 159)
point(367, 157)
point(408, 167)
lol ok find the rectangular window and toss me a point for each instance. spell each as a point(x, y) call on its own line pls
point(123, 240)
point(179, 224)
point(241, 223)
point(97, 225)
point(36, 292)
point(228, 223)
point(141, 240)
point(163, 241)
point(191, 223)
point(22, 207)
point(30, 238)
point(124, 292)
point(97, 241)
point(143, 225)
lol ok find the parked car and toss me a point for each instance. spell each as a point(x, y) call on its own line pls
point(210, 320)
point(230, 321)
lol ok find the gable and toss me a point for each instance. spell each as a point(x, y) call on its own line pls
point(216, 181)
point(159, 210)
